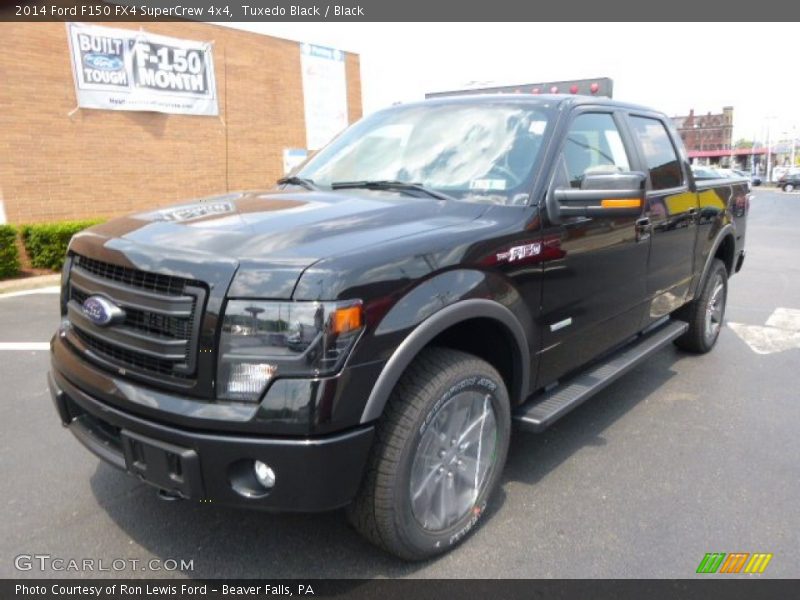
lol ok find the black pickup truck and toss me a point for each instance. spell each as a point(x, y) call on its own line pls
point(366, 333)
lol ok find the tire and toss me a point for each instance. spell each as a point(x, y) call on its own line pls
point(410, 448)
point(788, 187)
point(706, 312)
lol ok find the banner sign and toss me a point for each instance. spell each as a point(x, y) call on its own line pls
point(122, 69)
point(324, 93)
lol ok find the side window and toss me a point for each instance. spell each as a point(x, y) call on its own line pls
point(662, 160)
point(593, 145)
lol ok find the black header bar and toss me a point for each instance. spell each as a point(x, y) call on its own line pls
point(408, 10)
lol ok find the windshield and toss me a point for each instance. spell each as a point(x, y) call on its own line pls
point(476, 152)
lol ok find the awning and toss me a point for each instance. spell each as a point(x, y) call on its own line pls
point(734, 152)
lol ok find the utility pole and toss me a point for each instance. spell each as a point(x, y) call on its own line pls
point(769, 152)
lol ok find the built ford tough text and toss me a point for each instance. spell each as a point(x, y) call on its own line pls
point(366, 334)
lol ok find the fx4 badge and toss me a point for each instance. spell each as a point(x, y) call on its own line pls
point(520, 252)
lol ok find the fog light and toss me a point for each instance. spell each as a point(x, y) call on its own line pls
point(264, 475)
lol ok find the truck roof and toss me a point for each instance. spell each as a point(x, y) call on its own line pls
point(529, 99)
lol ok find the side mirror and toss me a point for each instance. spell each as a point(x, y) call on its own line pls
point(600, 195)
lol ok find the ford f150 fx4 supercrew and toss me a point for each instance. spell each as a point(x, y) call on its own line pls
point(366, 333)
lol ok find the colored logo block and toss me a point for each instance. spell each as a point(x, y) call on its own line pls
point(735, 562)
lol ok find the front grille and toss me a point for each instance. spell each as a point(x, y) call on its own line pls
point(130, 358)
point(158, 335)
point(154, 282)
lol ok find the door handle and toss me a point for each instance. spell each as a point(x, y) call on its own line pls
point(643, 229)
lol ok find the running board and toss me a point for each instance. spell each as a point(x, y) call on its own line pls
point(543, 409)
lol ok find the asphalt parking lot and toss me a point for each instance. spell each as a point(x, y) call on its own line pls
point(683, 456)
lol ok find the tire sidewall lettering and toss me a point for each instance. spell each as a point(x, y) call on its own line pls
point(484, 383)
point(477, 512)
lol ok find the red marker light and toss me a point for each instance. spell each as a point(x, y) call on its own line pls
point(573, 89)
point(554, 89)
point(594, 87)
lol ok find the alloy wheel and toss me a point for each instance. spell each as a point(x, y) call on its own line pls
point(453, 460)
point(715, 309)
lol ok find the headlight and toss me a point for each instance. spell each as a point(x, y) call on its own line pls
point(263, 340)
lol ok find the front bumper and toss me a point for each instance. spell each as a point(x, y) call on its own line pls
point(311, 473)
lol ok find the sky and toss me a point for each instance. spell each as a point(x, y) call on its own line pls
point(670, 67)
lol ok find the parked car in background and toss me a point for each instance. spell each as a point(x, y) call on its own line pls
point(754, 179)
point(789, 182)
point(780, 172)
point(706, 173)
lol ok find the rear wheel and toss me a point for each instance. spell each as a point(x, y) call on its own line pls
point(440, 449)
point(788, 187)
point(706, 312)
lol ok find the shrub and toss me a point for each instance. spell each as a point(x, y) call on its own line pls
point(46, 243)
point(9, 254)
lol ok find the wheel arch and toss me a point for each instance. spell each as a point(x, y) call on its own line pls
point(725, 251)
point(436, 327)
point(726, 236)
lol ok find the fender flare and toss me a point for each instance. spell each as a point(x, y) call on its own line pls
point(726, 230)
point(433, 326)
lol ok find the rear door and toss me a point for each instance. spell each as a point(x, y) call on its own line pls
point(672, 212)
point(594, 285)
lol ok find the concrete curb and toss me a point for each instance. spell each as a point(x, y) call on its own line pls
point(29, 283)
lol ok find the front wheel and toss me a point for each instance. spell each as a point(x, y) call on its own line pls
point(439, 453)
point(788, 187)
point(705, 313)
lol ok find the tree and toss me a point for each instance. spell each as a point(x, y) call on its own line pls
point(743, 143)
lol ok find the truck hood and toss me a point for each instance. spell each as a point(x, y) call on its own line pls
point(281, 231)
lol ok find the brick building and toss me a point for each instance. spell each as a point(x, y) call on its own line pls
point(61, 163)
point(705, 133)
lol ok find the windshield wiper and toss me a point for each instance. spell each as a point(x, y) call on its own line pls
point(301, 181)
point(387, 184)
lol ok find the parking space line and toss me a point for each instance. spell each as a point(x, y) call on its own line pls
point(24, 346)
point(785, 318)
point(780, 333)
point(54, 289)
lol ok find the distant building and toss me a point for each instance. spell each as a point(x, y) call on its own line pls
point(706, 133)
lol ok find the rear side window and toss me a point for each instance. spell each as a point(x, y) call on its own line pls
point(662, 160)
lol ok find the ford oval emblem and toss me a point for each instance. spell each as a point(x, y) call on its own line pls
point(103, 62)
point(101, 311)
